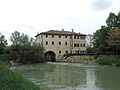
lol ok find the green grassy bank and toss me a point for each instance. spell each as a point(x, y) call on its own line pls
point(10, 80)
point(108, 60)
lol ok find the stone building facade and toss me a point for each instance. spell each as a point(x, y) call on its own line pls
point(59, 43)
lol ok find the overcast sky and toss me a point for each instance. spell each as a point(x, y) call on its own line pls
point(35, 16)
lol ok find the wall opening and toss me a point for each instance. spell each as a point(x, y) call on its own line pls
point(50, 55)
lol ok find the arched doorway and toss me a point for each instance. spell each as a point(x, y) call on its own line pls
point(50, 56)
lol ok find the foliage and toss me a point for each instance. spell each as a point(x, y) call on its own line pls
point(90, 50)
point(100, 39)
point(113, 21)
point(11, 80)
point(19, 39)
point(3, 43)
point(114, 40)
point(25, 50)
point(107, 39)
point(108, 59)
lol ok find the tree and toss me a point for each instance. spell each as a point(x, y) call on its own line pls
point(15, 38)
point(118, 20)
point(113, 21)
point(114, 40)
point(100, 39)
point(3, 43)
point(24, 49)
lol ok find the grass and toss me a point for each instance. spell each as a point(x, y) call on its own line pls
point(11, 80)
point(108, 59)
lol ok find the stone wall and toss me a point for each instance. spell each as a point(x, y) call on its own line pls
point(84, 59)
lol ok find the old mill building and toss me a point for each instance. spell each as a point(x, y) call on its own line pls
point(59, 43)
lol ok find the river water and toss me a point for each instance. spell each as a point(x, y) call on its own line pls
point(72, 76)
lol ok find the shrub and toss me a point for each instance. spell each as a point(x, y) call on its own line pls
point(108, 59)
point(11, 80)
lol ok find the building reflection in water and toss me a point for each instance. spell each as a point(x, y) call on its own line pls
point(67, 76)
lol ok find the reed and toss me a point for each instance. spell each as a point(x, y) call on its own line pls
point(11, 80)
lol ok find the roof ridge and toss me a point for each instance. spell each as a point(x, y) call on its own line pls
point(59, 32)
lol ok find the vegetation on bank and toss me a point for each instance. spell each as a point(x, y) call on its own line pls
point(108, 60)
point(10, 80)
point(105, 42)
point(22, 49)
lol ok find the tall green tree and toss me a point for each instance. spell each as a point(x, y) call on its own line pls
point(100, 39)
point(113, 21)
point(104, 38)
point(118, 20)
point(114, 40)
point(15, 38)
point(19, 39)
point(3, 43)
point(24, 49)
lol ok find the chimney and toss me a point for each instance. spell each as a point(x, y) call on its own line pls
point(62, 29)
point(72, 30)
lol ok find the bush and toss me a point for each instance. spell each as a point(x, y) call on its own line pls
point(11, 80)
point(27, 54)
point(108, 59)
point(4, 58)
point(90, 50)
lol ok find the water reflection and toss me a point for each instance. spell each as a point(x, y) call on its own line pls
point(63, 76)
point(108, 77)
point(67, 76)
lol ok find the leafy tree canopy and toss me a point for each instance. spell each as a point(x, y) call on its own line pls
point(3, 43)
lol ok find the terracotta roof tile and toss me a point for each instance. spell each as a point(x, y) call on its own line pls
point(56, 32)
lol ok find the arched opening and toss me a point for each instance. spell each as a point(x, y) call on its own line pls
point(50, 56)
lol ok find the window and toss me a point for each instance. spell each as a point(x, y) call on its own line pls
point(59, 52)
point(46, 42)
point(52, 36)
point(65, 36)
point(81, 37)
point(78, 37)
point(46, 36)
point(81, 45)
point(76, 45)
point(70, 37)
point(65, 43)
point(74, 37)
point(59, 36)
point(59, 43)
point(66, 51)
point(52, 43)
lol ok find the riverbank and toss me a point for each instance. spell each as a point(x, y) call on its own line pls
point(108, 60)
point(10, 80)
point(100, 59)
point(84, 59)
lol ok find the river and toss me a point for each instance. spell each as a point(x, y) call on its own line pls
point(72, 76)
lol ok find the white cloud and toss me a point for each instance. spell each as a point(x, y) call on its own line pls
point(101, 4)
point(32, 16)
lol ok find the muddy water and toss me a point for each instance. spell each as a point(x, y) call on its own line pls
point(72, 76)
